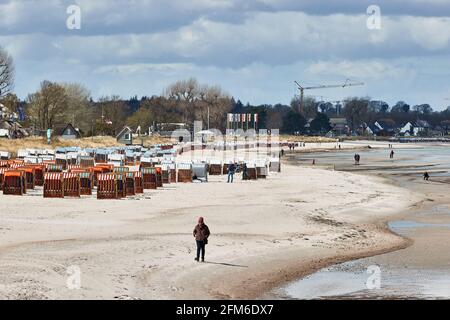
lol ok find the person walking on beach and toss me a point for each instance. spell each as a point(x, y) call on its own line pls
point(391, 154)
point(426, 176)
point(231, 171)
point(357, 158)
point(201, 234)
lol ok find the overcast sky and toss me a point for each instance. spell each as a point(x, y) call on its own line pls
point(253, 49)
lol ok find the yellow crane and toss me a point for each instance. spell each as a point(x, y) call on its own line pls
point(302, 89)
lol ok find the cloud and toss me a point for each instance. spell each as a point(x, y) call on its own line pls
point(370, 69)
point(255, 49)
point(268, 38)
point(102, 17)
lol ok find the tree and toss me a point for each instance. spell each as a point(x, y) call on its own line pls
point(423, 109)
point(111, 115)
point(275, 116)
point(378, 106)
point(293, 122)
point(400, 106)
point(327, 108)
point(355, 110)
point(196, 101)
point(6, 73)
point(79, 109)
point(48, 105)
point(309, 106)
point(141, 118)
point(320, 124)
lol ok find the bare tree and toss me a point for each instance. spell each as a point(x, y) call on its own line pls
point(79, 110)
point(6, 73)
point(309, 106)
point(356, 110)
point(48, 106)
point(197, 101)
point(183, 90)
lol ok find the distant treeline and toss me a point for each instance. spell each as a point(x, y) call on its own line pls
point(54, 105)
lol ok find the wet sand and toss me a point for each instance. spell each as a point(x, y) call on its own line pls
point(422, 270)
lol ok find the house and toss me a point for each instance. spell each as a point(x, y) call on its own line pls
point(12, 129)
point(416, 128)
point(371, 130)
point(437, 131)
point(385, 127)
point(421, 127)
point(70, 133)
point(125, 136)
point(339, 126)
point(6, 114)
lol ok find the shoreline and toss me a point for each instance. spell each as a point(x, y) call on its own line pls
point(431, 211)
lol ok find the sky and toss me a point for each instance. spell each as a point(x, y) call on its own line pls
point(253, 49)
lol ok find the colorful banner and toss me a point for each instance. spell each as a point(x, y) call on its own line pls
point(234, 119)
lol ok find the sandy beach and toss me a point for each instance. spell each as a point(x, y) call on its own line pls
point(264, 233)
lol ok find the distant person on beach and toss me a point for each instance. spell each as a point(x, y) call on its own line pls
point(426, 176)
point(201, 234)
point(245, 175)
point(231, 172)
point(391, 155)
point(357, 157)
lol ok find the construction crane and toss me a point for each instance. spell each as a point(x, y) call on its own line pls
point(302, 89)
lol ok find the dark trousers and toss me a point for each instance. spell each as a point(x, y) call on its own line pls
point(200, 249)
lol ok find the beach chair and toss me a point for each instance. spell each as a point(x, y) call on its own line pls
point(184, 172)
point(106, 186)
point(138, 182)
point(2, 176)
point(14, 183)
point(121, 185)
point(215, 167)
point(53, 185)
point(54, 168)
point(29, 173)
point(130, 184)
point(149, 178)
point(86, 183)
point(72, 185)
point(252, 171)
